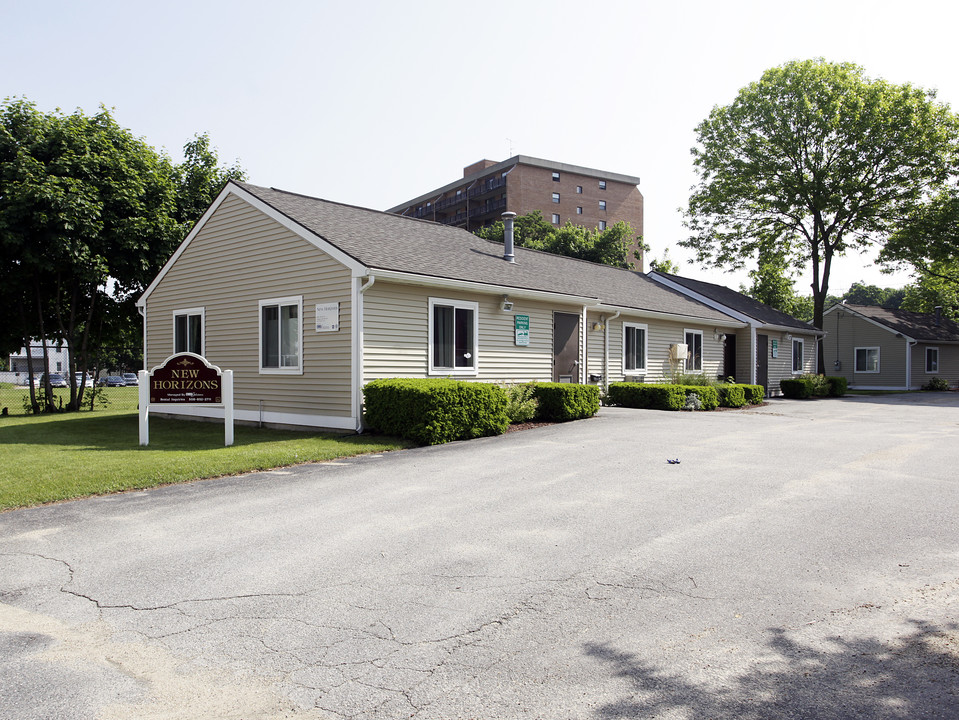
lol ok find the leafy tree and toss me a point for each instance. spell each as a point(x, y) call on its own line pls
point(861, 294)
point(928, 239)
point(934, 289)
point(199, 179)
point(812, 161)
point(665, 265)
point(88, 215)
point(609, 246)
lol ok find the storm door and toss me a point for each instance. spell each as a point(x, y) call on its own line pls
point(565, 347)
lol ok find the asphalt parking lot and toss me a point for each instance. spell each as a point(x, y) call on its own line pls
point(800, 561)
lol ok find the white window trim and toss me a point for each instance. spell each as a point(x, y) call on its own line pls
point(702, 345)
point(645, 329)
point(802, 355)
point(201, 311)
point(925, 361)
point(459, 371)
point(290, 300)
point(855, 355)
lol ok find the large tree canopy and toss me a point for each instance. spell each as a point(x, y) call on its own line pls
point(928, 240)
point(608, 247)
point(812, 160)
point(88, 215)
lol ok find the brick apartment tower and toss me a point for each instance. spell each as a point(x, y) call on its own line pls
point(562, 193)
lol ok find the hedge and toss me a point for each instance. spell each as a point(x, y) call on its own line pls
point(559, 402)
point(662, 396)
point(807, 386)
point(434, 411)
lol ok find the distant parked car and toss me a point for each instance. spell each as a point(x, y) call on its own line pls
point(131, 379)
point(56, 380)
point(80, 381)
point(112, 381)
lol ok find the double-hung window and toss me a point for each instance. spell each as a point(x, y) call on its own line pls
point(694, 350)
point(798, 348)
point(453, 337)
point(281, 335)
point(932, 359)
point(867, 360)
point(634, 348)
point(188, 330)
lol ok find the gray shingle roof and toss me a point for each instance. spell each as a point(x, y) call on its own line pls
point(385, 241)
point(918, 326)
point(741, 303)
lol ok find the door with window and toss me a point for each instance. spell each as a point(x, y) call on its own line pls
point(565, 347)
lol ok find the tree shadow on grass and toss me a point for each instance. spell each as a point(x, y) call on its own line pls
point(916, 676)
point(121, 432)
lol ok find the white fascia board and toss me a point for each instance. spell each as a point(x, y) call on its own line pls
point(868, 320)
point(356, 268)
point(406, 278)
point(703, 299)
point(671, 316)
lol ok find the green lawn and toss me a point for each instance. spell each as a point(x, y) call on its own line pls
point(44, 458)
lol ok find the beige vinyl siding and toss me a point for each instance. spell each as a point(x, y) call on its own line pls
point(238, 258)
point(781, 367)
point(396, 334)
point(659, 336)
point(850, 332)
point(948, 364)
point(595, 344)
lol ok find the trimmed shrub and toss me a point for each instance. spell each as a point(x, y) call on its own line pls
point(837, 386)
point(708, 395)
point(434, 411)
point(559, 402)
point(798, 388)
point(755, 394)
point(936, 384)
point(647, 396)
point(521, 406)
point(731, 395)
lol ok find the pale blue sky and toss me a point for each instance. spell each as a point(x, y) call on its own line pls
point(372, 103)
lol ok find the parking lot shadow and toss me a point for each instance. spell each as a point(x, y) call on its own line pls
point(914, 677)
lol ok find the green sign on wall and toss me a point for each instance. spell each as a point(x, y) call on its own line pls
point(521, 323)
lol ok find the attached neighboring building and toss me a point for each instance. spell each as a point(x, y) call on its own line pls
point(877, 348)
point(561, 192)
point(308, 300)
point(772, 346)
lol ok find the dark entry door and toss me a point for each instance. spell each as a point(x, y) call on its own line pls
point(729, 356)
point(762, 361)
point(565, 347)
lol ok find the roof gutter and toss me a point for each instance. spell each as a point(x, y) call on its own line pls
point(731, 323)
point(407, 278)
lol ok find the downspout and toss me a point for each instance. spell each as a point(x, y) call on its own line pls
point(910, 344)
point(752, 355)
point(358, 352)
point(606, 350)
point(583, 344)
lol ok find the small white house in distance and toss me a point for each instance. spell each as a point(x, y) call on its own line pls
point(308, 300)
point(772, 346)
point(878, 348)
point(58, 361)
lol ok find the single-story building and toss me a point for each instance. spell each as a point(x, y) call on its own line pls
point(878, 348)
point(308, 300)
point(58, 361)
point(773, 345)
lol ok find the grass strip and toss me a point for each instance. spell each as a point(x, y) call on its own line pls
point(46, 458)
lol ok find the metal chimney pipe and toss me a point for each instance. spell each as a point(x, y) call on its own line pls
point(508, 255)
point(938, 309)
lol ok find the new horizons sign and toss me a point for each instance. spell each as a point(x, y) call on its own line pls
point(186, 379)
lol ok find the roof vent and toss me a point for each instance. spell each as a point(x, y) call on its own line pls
point(508, 255)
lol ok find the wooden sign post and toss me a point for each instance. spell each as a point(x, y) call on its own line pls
point(186, 379)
